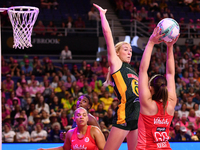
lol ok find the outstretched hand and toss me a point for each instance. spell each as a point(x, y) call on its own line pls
point(172, 42)
point(156, 36)
point(101, 10)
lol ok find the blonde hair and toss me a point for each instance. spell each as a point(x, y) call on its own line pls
point(119, 45)
point(108, 77)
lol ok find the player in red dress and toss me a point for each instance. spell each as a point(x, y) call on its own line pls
point(83, 136)
point(157, 99)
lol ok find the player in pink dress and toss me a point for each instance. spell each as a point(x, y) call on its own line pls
point(157, 99)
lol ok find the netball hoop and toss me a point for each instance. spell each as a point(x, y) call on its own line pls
point(22, 19)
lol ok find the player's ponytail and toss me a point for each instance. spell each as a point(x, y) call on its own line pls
point(159, 83)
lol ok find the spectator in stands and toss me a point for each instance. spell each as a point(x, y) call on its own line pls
point(175, 118)
point(108, 118)
point(21, 90)
point(191, 92)
point(70, 23)
point(61, 29)
point(68, 83)
point(22, 135)
point(36, 119)
point(197, 123)
point(177, 51)
point(51, 29)
point(191, 116)
point(45, 117)
point(5, 111)
point(79, 23)
point(192, 28)
point(80, 82)
point(105, 69)
point(196, 59)
point(107, 100)
point(167, 13)
point(32, 81)
point(68, 101)
point(96, 69)
point(76, 92)
point(68, 73)
point(89, 91)
point(54, 83)
point(95, 83)
point(196, 84)
point(27, 69)
point(183, 136)
point(55, 133)
point(95, 103)
point(88, 73)
point(160, 65)
point(183, 27)
point(183, 111)
point(56, 106)
point(196, 109)
point(59, 87)
point(8, 135)
point(158, 17)
point(39, 29)
point(153, 6)
point(143, 15)
point(34, 89)
point(19, 116)
point(185, 77)
point(4, 68)
point(8, 84)
point(38, 69)
point(64, 70)
point(47, 91)
point(76, 72)
point(196, 99)
point(64, 121)
point(93, 17)
point(39, 135)
point(66, 53)
point(152, 25)
point(83, 66)
point(61, 94)
point(50, 69)
point(189, 103)
point(10, 101)
point(177, 128)
point(53, 118)
point(194, 6)
point(41, 105)
point(15, 68)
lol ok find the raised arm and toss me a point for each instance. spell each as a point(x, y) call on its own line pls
point(170, 72)
point(113, 59)
point(144, 92)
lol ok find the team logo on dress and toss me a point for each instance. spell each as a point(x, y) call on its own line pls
point(134, 83)
point(87, 139)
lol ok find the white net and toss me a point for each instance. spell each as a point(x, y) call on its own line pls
point(22, 19)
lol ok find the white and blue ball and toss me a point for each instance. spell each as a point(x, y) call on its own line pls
point(170, 27)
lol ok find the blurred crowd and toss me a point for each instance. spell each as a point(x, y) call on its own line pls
point(153, 11)
point(39, 98)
